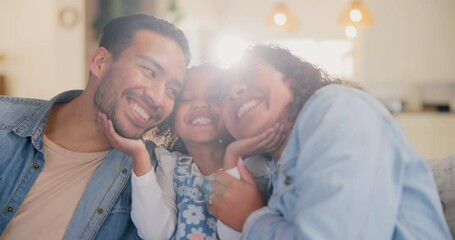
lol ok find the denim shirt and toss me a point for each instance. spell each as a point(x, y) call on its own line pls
point(103, 212)
point(347, 172)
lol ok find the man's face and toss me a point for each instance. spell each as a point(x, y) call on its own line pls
point(138, 90)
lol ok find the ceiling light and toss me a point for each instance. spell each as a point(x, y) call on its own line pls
point(356, 15)
point(281, 18)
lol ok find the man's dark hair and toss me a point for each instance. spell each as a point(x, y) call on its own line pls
point(119, 33)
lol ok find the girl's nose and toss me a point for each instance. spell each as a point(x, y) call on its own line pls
point(200, 104)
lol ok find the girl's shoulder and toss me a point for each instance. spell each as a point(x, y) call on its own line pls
point(171, 160)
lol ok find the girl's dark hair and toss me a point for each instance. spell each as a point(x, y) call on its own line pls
point(303, 77)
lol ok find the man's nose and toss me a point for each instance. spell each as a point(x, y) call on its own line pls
point(157, 93)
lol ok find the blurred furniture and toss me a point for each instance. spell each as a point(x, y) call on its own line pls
point(2, 85)
point(432, 134)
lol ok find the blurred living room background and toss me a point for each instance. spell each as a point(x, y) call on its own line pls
point(402, 52)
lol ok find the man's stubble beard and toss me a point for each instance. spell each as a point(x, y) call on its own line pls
point(109, 107)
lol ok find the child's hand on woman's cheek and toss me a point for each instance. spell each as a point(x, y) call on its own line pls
point(266, 142)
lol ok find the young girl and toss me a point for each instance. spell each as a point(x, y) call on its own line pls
point(179, 209)
point(346, 170)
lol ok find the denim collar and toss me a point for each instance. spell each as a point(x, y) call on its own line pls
point(33, 126)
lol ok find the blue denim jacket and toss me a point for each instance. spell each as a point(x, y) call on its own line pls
point(103, 211)
point(348, 172)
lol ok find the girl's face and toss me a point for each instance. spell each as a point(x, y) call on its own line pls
point(197, 117)
point(257, 99)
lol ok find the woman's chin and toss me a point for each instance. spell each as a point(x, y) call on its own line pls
point(249, 133)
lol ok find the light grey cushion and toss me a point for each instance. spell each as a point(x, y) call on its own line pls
point(444, 175)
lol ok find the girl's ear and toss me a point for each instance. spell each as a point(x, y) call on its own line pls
point(100, 61)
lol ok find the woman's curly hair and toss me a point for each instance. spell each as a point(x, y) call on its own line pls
point(304, 80)
point(303, 77)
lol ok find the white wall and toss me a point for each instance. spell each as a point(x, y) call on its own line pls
point(412, 42)
point(42, 57)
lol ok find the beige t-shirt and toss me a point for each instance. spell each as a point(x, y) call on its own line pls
point(48, 208)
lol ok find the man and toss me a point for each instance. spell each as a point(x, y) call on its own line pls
point(59, 175)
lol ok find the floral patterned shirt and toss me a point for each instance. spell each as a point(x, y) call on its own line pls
point(194, 220)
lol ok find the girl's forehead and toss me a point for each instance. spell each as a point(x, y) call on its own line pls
point(250, 64)
point(203, 82)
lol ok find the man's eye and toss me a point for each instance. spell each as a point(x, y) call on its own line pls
point(149, 71)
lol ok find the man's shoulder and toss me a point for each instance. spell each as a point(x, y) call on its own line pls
point(15, 110)
point(19, 102)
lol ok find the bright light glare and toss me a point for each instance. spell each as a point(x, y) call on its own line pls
point(355, 15)
point(229, 50)
point(280, 19)
point(332, 55)
point(350, 31)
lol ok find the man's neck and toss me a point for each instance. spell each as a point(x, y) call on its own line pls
point(74, 126)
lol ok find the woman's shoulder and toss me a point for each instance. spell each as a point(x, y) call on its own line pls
point(341, 98)
point(339, 92)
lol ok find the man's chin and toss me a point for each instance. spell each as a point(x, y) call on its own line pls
point(129, 133)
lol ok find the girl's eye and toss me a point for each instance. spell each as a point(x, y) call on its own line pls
point(185, 98)
point(215, 94)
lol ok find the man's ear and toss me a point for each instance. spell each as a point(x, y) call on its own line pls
point(100, 61)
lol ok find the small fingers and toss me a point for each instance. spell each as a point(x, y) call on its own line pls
point(273, 137)
point(277, 139)
point(102, 119)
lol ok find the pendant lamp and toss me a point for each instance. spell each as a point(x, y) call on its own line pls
point(281, 18)
point(356, 15)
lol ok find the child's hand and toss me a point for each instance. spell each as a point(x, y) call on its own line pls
point(133, 147)
point(266, 142)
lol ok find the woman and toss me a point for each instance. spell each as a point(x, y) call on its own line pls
point(345, 170)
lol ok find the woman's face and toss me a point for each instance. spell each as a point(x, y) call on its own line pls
point(257, 98)
point(198, 118)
